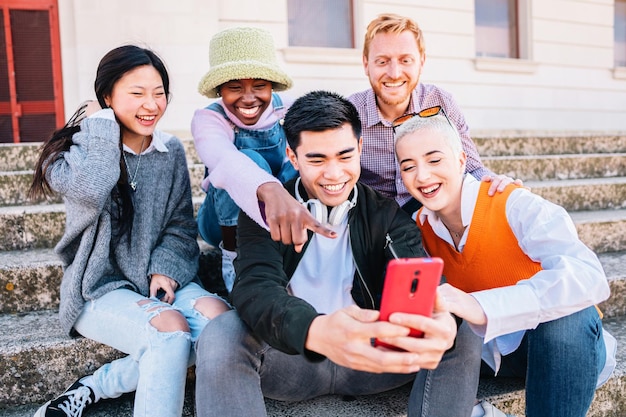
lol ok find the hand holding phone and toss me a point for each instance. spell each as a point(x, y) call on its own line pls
point(410, 287)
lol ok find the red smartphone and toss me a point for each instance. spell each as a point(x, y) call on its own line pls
point(410, 287)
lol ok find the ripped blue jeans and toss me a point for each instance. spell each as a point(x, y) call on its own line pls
point(157, 362)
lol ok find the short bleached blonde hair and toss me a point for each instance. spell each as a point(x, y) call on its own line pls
point(438, 124)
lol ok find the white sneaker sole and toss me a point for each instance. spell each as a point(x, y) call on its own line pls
point(42, 410)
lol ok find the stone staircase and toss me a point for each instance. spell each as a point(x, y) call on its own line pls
point(585, 172)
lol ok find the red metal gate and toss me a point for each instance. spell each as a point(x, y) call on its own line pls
point(31, 88)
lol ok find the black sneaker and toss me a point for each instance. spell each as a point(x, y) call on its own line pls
point(69, 404)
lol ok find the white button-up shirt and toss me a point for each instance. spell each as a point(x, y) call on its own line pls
point(571, 278)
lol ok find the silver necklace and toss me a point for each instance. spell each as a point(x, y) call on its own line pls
point(133, 182)
point(456, 234)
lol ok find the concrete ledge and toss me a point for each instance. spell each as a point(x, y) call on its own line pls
point(504, 143)
point(37, 226)
point(30, 280)
point(37, 358)
point(27, 227)
point(614, 265)
point(507, 395)
point(596, 183)
point(603, 231)
point(583, 194)
point(18, 157)
point(14, 187)
point(558, 166)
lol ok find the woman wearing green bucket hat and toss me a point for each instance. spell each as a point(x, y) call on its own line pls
point(240, 140)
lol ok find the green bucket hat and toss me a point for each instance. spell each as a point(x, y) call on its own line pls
point(240, 53)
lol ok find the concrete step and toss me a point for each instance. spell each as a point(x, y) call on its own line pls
point(30, 279)
point(37, 363)
point(38, 226)
point(577, 183)
point(583, 194)
point(614, 264)
point(14, 186)
point(37, 358)
point(507, 143)
point(558, 167)
point(23, 156)
point(603, 231)
point(573, 194)
point(35, 226)
point(41, 226)
point(20, 157)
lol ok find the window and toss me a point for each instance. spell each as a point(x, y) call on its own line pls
point(31, 88)
point(321, 23)
point(620, 33)
point(497, 31)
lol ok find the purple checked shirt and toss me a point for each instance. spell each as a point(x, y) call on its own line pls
point(379, 168)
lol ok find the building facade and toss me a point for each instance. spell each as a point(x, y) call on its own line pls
point(542, 65)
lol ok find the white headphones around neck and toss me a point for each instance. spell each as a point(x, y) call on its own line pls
point(320, 211)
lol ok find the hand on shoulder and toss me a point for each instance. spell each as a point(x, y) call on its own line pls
point(499, 182)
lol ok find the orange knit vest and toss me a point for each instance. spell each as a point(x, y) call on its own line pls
point(491, 257)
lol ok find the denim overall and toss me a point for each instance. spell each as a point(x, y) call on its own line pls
point(267, 149)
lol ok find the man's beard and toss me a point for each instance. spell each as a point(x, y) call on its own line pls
point(393, 100)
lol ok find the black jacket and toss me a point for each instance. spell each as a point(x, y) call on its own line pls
point(264, 268)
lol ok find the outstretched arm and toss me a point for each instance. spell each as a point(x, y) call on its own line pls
point(256, 192)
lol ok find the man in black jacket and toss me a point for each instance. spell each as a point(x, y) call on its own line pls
point(304, 320)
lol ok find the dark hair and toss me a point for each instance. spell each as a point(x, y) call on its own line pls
point(318, 111)
point(118, 62)
point(113, 66)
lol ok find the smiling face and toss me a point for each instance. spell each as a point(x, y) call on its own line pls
point(393, 65)
point(247, 99)
point(431, 171)
point(138, 100)
point(329, 163)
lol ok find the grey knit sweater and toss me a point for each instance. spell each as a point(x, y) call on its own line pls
point(164, 230)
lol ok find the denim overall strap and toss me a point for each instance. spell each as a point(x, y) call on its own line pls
point(216, 107)
point(278, 102)
point(268, 144)
point(279, 107)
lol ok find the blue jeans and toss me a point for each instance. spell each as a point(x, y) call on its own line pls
point(157, 362)
point(218, 209)
point(451, 388)
point(561, 361)
point(235, 370)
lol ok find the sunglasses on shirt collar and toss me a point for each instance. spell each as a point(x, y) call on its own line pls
point(425, 113)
